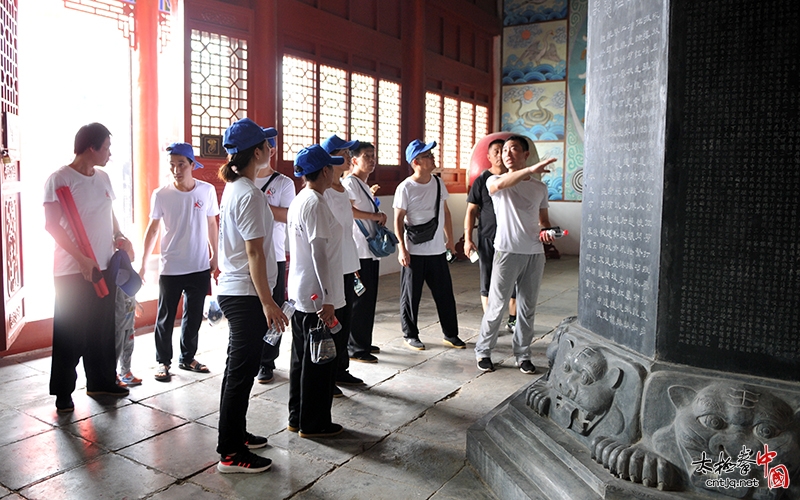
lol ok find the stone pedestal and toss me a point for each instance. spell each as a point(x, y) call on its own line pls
point(679, 377)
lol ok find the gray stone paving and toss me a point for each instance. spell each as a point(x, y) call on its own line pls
point(405, 431)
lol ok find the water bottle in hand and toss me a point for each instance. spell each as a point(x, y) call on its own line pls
point(334, 326)
point(556, 232)
point(273, 335)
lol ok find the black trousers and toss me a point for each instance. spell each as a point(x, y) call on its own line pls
point(269, 353)
point(310, 384)
point(364, 308)
point(433, 271)
point(194, 288)
point(246, 324)
point(83, 326)
point(345, 317)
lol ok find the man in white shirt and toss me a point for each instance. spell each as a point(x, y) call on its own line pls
point(188, 208)
point(420, 202)
point(279, 190)
point(520, 204)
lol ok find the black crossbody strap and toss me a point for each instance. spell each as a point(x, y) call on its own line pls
point(368, 196)
point(271, 178)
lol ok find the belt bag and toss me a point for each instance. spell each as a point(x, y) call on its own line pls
point(420, 233)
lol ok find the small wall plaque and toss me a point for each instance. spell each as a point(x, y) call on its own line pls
point(211, 146)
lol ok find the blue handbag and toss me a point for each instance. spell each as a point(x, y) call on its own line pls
point(384, 243)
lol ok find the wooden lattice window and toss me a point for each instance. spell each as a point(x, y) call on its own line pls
point(321, 100)
point(8, 57)
point(456, 125)
point(218, 83)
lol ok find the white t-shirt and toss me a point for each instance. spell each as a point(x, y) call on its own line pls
point(362, 201)
point(93, 197)
point(342, 209)
point(517, 210)
point(244, 216)
point(184, 220)
point(310, 219)
point(418, 201)
point(280, 193)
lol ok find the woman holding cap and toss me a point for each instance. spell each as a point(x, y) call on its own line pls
point(315, 244)
point(248, 273)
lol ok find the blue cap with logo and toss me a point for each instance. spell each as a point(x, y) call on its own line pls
point(417, 147)
point(123, 274)
point(245, 134)
point(335, 143)
point(314, 158)
point(184, 149)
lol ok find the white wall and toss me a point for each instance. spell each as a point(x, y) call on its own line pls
point(564, 214)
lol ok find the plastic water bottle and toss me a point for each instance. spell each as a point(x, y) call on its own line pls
point(273, 335)
point(473, 256)
point(334, 326)
point(214, 313)
point(556, 232)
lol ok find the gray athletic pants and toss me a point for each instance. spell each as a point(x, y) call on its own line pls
point(509, 269)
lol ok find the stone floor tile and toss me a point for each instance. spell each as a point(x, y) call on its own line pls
point(417, 387)
point(443, 425)
point(180, 452)
point(190, 401)
point(85, 407)
point(408, 460)
point(467, 485)
point(265, 417)
point(43, 455)
point(185, 491)
point(353, 484)
point(124, 426)
point(12, 370)
point(22, 391)
point(290, 473)
point(455, 365)
point(110, 476)
point(381, 412)
point(355, 439)
point(16, 425)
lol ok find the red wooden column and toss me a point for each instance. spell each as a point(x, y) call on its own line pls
point(413, 107)
point(264, 66)
point(145, 132)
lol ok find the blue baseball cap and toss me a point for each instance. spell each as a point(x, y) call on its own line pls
point(245, 134)
point(123, 274)
point(335, 143)
point(184, 149)
point(314, 158)
point(416, 147)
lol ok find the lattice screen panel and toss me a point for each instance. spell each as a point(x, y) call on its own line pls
point(481, 122)
point(450, 134)
point(8, 54)
point(332, 102)
point(299, 105)
point(388, 123)
point(433, 122)
point(466, 130)
point(218, 83)
point(362, 107)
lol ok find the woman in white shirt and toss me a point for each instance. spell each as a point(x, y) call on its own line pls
point(247, 274)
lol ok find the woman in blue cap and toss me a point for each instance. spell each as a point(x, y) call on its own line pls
point(248, 273)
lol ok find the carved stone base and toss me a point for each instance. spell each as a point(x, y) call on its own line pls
point(523, 456)
point(608, 423)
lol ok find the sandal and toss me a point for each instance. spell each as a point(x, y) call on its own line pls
point(194, 366)
point(163, 375)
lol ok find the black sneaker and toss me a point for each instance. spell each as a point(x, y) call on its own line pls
point(485, 365)
point(265, 375)
point(414, 343)
point(293, 428)
point(337, 393)
point(115, 391)
point(331, 430)
point(364, 357)
point(347, 378)
point(252, 441)
point(244, 461)
point(525, 366)
point(64, 404)
point(454, 342)
point(510, 324)
point(373, 349)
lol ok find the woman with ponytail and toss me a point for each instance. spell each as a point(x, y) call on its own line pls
point(248, 272)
